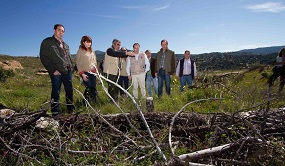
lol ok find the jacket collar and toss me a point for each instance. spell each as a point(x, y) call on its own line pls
point(57, 39)
point(165, 50)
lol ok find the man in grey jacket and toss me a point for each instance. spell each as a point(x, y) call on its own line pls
point(55, 57)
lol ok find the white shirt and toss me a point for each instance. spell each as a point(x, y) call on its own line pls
point(186, 68)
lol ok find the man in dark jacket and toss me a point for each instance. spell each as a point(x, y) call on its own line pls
point(165, 67)
point(55, 57)
point(150, 76)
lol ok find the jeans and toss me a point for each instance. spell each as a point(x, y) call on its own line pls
point(56, 81)
point(91, 82)
point(183, 80)
point(90, 92)
point(149, 82)
point(124, 83)
point(163, 76)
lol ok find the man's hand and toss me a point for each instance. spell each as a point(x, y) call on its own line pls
point(56, 73)
point(130, 53)
point(129, 77)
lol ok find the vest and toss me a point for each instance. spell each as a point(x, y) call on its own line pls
point(111, 64)
point(137, 66)
point(182, 67)
point(123, 64)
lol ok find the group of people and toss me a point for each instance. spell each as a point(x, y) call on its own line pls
point(119, 65)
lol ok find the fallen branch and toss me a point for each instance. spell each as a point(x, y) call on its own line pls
point(177, 114)
point(214, 150)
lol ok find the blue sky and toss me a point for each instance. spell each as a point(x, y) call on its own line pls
point(200, 26)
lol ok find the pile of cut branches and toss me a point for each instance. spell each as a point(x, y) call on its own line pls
point(243, 138)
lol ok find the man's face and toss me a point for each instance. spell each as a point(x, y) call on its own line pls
point(187, 55)
point(59, 32)
point(117, 46)
point(148, 54)
point(136, 49)
point(164, 45)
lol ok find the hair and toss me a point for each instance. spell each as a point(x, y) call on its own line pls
point(115, 41)
point(281, 53)
point(187, 51)
point(146, 51)
point(86, 39)
point(164, 40)
point(124, 48)
point(136, 44)
point(58, 25)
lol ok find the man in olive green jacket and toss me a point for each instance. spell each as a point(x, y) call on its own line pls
point(55, 57)
point(165, 67)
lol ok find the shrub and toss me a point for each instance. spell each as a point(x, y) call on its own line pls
point(5, 74)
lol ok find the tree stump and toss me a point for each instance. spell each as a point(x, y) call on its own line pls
point(149, 104)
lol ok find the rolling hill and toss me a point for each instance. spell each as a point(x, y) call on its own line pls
point(263, 50)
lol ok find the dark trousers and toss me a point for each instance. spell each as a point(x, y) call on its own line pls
point(278, 72)
point(163, 76)
point(123, 82)
point(112, 89)
point(90, 87)
point(56, 82)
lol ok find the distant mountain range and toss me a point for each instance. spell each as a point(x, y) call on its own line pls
point(225, 60)
point(263, 50)
point(260, 51)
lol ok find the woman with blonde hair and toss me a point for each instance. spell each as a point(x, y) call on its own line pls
point(86, 62)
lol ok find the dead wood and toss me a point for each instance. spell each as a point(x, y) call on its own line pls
point(234, 138)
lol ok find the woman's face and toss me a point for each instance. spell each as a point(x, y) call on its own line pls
point(87, 44)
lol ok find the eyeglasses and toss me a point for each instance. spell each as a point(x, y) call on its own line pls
point(124, 50)
point(118, 44)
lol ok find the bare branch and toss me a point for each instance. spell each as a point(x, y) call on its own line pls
point(177, 114)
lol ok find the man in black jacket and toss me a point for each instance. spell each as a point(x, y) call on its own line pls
point(55, 57)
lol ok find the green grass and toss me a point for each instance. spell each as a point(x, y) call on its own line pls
point(238, 92)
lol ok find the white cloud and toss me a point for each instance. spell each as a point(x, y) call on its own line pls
point(161, 8)
point(273, 7)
